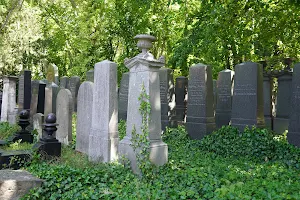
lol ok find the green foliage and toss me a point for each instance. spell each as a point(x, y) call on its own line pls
point(7, 130)
point(18, 145)
point(122, 129)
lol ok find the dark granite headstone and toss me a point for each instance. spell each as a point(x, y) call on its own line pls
point(283, 106)
point(167, 98)
point(224, 97)
point(41, 98)
point(24, 92)
point(74, 84)
point(64, 82)
point(200, 119)
point(180, 97)
point(90, 75)
point(123, 97)
point(215, 94)
point(267, 88)
point(247, 100)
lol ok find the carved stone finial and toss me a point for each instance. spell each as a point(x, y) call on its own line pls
point(145, 42)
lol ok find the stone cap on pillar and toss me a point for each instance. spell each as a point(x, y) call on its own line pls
point(145, 57)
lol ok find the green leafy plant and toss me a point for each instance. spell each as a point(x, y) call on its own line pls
point(7, 130)
point(122, 129)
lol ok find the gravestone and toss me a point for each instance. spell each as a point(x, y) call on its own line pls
point(90, 75)
point(74, 84)
point(224, 97)
point(8, 109)
point(34, 96)
point(104, 137)
point(50, 74)
point(64, 111)
point(56, 75)
point(247, 100)
point(144, 72)
point(293, 135)
point(0, 103)
point(167, 98)
point(38, 120)
point(24, 92)
point(84, 116)
point(267, 92)
point(123, 97)
point(283, 106)
point(51, 92)
point(200, 119)
point(180, 98)
point(64, 82)
point(41, 98)
point(215, 94)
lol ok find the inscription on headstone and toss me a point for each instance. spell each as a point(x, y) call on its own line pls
point(123, 97)
point(84, 116)
point(200, 119)
point(247, 100)
point(224, 97)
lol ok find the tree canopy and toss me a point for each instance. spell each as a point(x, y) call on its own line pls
point(75, 34)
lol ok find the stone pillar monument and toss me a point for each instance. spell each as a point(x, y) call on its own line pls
point(144, 71)
point(9, 110)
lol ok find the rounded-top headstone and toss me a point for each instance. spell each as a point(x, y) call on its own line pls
point(24, 114)
point(51, 118)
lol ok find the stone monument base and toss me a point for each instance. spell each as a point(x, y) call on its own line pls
point(198, 127)
point(222, 118)
point(49, 147)
point(280, 125)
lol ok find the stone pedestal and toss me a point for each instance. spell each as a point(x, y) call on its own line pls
point(144, 72)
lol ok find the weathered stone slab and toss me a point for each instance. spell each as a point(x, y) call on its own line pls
point(51, 92)
point(84, 116)
point(180, 98)
point(267, 92)
point(104, 137)
point(247, 100)
point(200, 119)
point(16, 183)
point(167, 98)
point(224, 97)
point(74, 87)
point(50, 74)
point(34, 96)
point(56, 74)
point(24, 91)
point(123, 97)
point(283, 106)
point(293, 135)
point(64, 82)
point(64, 112)
point(144, 72)
point(38, 120)
point(90, 75)
point(9, 109)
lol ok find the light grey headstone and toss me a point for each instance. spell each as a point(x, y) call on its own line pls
point(38, 120)
point(224, 97)
point(84, 116)
point(200, 120)
point(144, 70)
point(64, 111)
point(9, 109)
point(167, 98)
point(90, 75)
point(123, 97)
point(64, 82)
point(267, 92)
point(293, 135)
point(283, 106)
point(247, 100)
point(74, 84)
point(34, 96)
point(104, 137)
point(180, 98)
point(51, 92)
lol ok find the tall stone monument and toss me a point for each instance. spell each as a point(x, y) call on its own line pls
point(35, 84)
point(283, 106)
point(104, 137)
point(74, 84)
point(64, 82)
point(247, 100)
point(123, 97)
point(144, 72)
point(56, 74)
point(84, 116)
point(167, 98)
point(293, 135)
point(224, 97)
point(41, 98)
point(64, 111)
point(51, 92)
point(200, 120)
point(180, 96)
point(267, 92)
point(8, 109)
point(24, 92)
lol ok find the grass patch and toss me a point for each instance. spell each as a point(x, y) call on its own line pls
point(17, 146)
point(7, 130)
